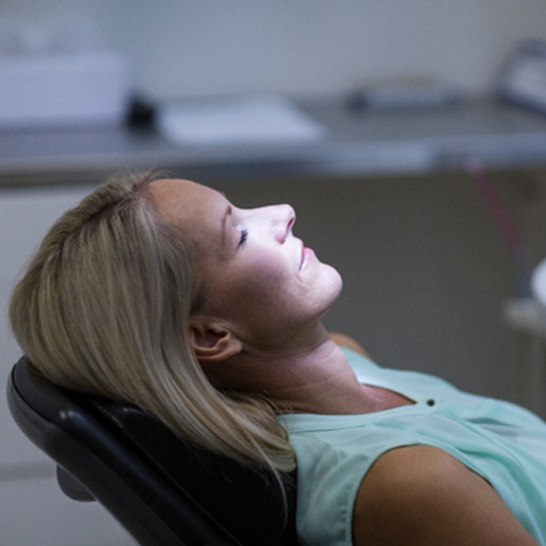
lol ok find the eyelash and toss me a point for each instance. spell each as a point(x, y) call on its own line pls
point(244, 237)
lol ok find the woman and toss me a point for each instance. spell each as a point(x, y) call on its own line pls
point(162, 293)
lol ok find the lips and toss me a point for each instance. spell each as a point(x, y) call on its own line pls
point(306, 253)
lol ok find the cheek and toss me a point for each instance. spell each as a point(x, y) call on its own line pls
point(269, 270)
point(246, 288)
point(263, 280)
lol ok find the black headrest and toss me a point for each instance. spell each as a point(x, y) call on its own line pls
point(247, 502)
point(239, 497)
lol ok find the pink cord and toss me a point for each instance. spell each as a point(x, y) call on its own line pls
point(496, 207)
point(501, 217)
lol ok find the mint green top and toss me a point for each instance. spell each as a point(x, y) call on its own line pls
point(500, 441)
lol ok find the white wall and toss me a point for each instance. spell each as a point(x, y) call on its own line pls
point(195, 47)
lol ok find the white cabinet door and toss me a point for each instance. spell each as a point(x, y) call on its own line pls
point(33, 510)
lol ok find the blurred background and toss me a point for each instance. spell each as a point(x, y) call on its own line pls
point(212, 47)
point(409, 136)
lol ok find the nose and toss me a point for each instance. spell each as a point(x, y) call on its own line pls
point(282, 218)
point(288, 218)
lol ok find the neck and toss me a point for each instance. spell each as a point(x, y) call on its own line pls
point(308, 375)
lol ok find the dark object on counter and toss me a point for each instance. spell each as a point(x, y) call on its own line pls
point(141, 113)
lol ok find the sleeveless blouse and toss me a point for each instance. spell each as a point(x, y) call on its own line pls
point(500, 441)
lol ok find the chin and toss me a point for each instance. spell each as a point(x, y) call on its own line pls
point(336, 276)
point(334, 287)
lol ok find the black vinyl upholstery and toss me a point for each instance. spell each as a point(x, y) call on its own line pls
point(164, 491)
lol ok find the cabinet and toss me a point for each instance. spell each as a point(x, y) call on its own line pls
point(33, 510)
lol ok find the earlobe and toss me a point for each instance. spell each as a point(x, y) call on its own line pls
point(212, 341)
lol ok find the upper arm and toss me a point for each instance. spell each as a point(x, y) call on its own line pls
point(422, 496)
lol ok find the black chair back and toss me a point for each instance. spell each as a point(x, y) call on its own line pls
point(164, 491)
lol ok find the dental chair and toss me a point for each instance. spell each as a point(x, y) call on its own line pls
point(164, 491)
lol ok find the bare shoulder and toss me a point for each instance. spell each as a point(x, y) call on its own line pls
point(420, 496)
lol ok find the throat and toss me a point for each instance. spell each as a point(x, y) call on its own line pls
point(363, 399)
point(367, 399)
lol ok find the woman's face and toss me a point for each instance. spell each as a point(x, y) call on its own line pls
point(255, 275)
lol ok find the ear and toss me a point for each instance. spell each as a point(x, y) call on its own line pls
point(212, 340)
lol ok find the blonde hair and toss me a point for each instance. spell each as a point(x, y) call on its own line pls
point(104, 307)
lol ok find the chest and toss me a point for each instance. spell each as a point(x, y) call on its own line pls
point(380, 399)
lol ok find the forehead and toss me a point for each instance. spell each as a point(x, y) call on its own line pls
point(182, 201)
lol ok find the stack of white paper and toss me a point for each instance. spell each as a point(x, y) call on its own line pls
point(237, 121)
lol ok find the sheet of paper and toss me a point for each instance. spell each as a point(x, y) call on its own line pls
point(237, 121)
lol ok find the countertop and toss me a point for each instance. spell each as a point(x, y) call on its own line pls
point(363, 143)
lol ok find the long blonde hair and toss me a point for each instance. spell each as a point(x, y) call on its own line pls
point(104, 307)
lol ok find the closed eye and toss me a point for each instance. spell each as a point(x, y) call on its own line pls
point(244, 237)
